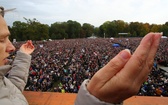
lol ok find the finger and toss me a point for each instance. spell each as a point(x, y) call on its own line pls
point(112, 68)
point(26, 44)
point(155, 45)
point(29, 44)
point(32, 46)
point(149, 62)
point(136, 63)
point(30, 41)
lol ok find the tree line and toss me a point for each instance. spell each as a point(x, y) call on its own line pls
point(34, 30)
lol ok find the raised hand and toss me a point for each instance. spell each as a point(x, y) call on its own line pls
point(123, 76)
point(27, 48)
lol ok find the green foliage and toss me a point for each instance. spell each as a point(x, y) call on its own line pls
point(34, 30)
point(58, 30)
point(164, 29)
point(112, 28)
point(88, 30)
point(61, 30)
point(74, 29)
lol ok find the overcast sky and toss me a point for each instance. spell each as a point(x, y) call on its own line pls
point(95, 12)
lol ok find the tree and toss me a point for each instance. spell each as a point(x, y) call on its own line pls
point(164, 29)
point(96, 31)
point(42, 32)
point(36, 30)
point(110, 28)
point(136, 29)
point(120, 25)
point(58, 30)
point(144, 29)
point(18, 30)
point(88, 29)
point(73, 29)
point(154, 28)
point(101, 31)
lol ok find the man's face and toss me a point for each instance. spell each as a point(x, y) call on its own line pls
point(5, 45)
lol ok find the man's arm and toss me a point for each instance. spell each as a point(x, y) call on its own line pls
point(20, 67)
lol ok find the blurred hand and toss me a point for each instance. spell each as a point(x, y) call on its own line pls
point(27, 48)
point(123, 76)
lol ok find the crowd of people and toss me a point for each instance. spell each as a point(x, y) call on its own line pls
point(62, 65)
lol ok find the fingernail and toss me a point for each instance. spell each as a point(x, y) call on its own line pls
point(125, 54)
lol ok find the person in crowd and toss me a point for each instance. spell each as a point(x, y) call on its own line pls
point(11, 87)
point(114, 82)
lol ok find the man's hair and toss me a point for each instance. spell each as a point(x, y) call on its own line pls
point(2, 11)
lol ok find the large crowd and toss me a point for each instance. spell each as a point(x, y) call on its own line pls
point(62, 65)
